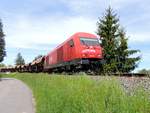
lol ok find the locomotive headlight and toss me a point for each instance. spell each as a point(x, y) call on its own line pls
point(83, 55)
point(99, 55)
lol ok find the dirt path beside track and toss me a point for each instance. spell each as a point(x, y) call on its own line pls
point(15, 97)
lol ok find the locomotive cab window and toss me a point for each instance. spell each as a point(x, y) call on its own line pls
point(89, 41)
point(71, 43)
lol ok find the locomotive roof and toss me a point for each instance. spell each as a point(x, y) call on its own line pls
point(78, 34)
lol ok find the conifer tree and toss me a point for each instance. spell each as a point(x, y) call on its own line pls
point(19, 60)
point(108, 31)
point(2, 43)
point(114, 42)
point(125, 62)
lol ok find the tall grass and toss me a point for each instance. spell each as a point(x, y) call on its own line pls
point(80, 94)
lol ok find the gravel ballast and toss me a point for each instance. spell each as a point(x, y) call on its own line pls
point(129, 83)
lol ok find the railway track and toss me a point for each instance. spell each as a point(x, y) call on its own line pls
point(9, 70)
point(121, 74)
point(130, 74)
point(129, 82)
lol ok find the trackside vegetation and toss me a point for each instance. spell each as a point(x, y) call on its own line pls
point(117, 54)
point(81, 94)
point(2, 43)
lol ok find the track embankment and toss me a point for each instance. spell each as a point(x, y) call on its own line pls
point(129, 83)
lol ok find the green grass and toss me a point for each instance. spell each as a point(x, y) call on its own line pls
point(80, 94)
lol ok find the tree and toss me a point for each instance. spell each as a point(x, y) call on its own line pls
point(114, 43)
point(108, 31)
point(144, 71)
point(19, 60)
point(2, 43)
point(125, 62)
point(2, 65)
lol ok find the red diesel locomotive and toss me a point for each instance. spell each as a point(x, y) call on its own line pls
point(82, 51)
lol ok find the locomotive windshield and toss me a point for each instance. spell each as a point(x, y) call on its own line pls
point(89, 41)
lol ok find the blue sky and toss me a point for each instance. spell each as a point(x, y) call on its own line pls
point(35, 27)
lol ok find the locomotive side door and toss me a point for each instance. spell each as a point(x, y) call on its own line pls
point(71, 51)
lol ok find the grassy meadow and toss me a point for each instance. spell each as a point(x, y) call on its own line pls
point(80, 94)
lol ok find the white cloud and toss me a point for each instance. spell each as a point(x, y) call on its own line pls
point(86, 6)
point(28, 32)
point(143, 37)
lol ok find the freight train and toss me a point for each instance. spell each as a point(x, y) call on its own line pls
point(81, 52)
